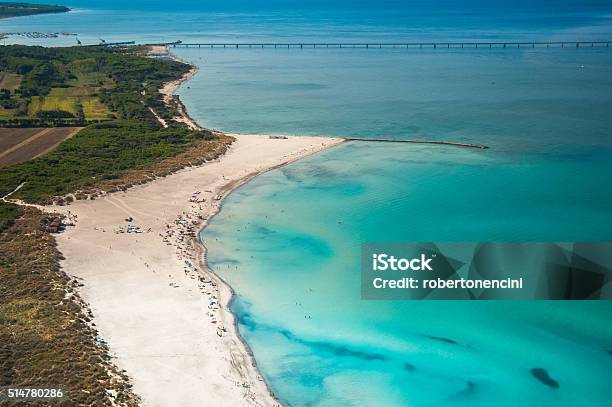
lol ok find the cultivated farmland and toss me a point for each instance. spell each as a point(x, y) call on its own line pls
point(76, 101)
point(18, 145)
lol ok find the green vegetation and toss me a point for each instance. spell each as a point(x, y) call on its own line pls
point(93, 109)
point(46, 336)
point(114, 89)
point(97, 153)
point(8, 214)
point(109, 87)
point(75, 102)
point(9, 83)
point(76, 86)
point(9, 9)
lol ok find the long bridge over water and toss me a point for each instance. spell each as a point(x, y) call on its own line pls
point(380, 45)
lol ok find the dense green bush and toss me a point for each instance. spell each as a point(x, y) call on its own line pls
point(98, 152)
point(125, 76)
point(8, 214)
point(104, 150)
point(54, 114)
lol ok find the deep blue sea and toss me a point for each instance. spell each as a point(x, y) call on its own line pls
point(288, 242)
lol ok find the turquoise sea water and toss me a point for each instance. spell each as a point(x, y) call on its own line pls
point(288, 242)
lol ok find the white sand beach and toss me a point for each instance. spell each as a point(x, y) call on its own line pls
point(154, 310)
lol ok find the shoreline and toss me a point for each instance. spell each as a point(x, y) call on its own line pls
point(169, 90)
point(141, 268)
point(140, 284)
point(227, 293)
point(198, 354)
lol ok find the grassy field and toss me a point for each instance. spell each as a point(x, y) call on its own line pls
point(81, 84)
point(74, 94)
point(6, 113)
point(94, 109)
point(73, 100)
point(9, 81)
point(49, 103)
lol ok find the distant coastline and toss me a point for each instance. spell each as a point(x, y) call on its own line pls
point(13, 9)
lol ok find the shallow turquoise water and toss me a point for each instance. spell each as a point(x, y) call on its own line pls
point(288, 242)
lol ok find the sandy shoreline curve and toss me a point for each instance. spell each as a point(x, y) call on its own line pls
point(142, 269)
point(155, 312)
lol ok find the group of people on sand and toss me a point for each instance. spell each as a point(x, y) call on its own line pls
point(182, 234)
